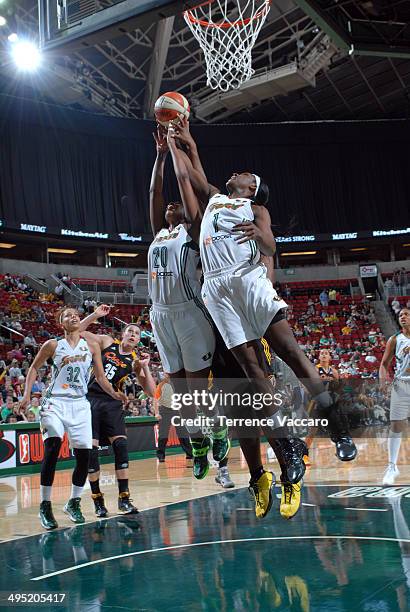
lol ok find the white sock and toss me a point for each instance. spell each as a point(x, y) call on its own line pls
point(79, 554)
point(393, 445)
point(45, 493)
point(324, 399)
point(76, 491)
point(400, 526)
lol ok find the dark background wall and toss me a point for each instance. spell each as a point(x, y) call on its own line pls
point(71, 169)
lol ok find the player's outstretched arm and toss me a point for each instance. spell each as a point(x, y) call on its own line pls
point(384, 375)
point(46, 352)
point(156, 198)
point(143, 374)
point(203, 190)
point(101, 311)
point(100, 374)
point(190, 202)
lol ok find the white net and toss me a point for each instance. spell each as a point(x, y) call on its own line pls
point(227, 31)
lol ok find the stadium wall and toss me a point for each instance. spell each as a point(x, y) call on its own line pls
point(65, 168)
point(42, 270)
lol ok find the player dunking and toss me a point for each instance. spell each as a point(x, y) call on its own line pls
point(65, 408)
point(235, 229)
point(182, 327)
point(397, 346)
point(119, 359)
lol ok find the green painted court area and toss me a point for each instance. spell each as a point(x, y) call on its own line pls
point(347, 549)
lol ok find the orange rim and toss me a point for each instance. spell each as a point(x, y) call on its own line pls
point(225, 24)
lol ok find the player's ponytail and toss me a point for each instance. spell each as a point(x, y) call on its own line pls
point(261, 195)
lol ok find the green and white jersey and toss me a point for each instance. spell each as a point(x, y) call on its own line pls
point(173, 259)
point(71, 371)
point(402, 371)
point(218, 244)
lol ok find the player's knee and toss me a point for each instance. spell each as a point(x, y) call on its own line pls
point(52, 447)
point(120, 448)
point(94, 462)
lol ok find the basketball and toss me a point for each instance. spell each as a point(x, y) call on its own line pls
point(170, 108)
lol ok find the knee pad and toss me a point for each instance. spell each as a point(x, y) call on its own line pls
point(120, 448)
point(82, 456)
point(51, 449)
point(94, 462)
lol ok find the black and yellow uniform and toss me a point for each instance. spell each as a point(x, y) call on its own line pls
point(107, 413)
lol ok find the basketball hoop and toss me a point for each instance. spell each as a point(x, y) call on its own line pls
point(227, 40)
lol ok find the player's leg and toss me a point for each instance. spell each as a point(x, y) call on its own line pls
point(280, 336)
point(52, 427)
point(290, 451)
point(120, 448)
point(77, 422)
point(399, 413)
point(196, 338)
point(94, 462)
point(163, 431)
point(397, 427)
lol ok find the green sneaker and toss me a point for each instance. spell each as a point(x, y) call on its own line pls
point(46, 516)
point(73, 509)
point(200, 450)
point(220, 444)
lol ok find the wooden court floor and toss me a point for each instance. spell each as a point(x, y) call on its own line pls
point(198, 547)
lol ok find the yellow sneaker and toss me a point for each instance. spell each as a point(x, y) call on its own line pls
point(261, 490)
point(291, 498)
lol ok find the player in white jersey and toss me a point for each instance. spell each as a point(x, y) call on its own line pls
point(397, 346)
point(65, 408)
point(182, 327)
point(235, 229)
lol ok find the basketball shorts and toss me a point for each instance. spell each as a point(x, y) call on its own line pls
point(184, 335)
point(58, 416)
point(400, 400)
point(107, 418)
point(242, 302)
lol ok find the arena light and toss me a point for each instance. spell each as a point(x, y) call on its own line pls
point(359, 249)
point(3, 21)
point(13, 38)
point(112, 254)
point(406, 245)
point(299, 253)
point(6, 245)
point(26, 55)
point(66, 251)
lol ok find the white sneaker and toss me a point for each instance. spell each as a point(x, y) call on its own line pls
point(390, 474)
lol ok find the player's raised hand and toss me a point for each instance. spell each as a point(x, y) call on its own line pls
point(160, 137)
point(182, 133)
point(103, 310)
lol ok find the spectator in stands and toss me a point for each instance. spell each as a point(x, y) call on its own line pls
point(14, 370)
point(332, 297)
point(11, 419)
point(346, 330)
point(396, 306)
point(389, 287)
point(402, 281)
point(30, 416)
point(287, 291)
point(38, 386)
point(43, 332)
point(16, 325)
point(30, 341)
point(59, 290)
point(324, 298)
point(35, 406)
point(7, 408)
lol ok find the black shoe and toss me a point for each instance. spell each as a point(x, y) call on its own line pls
point(338, 428)
point(125, 504)
point(290, 453)
point(46, 516)
point(100, 509)
point(345, 447)
point(161, 457)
